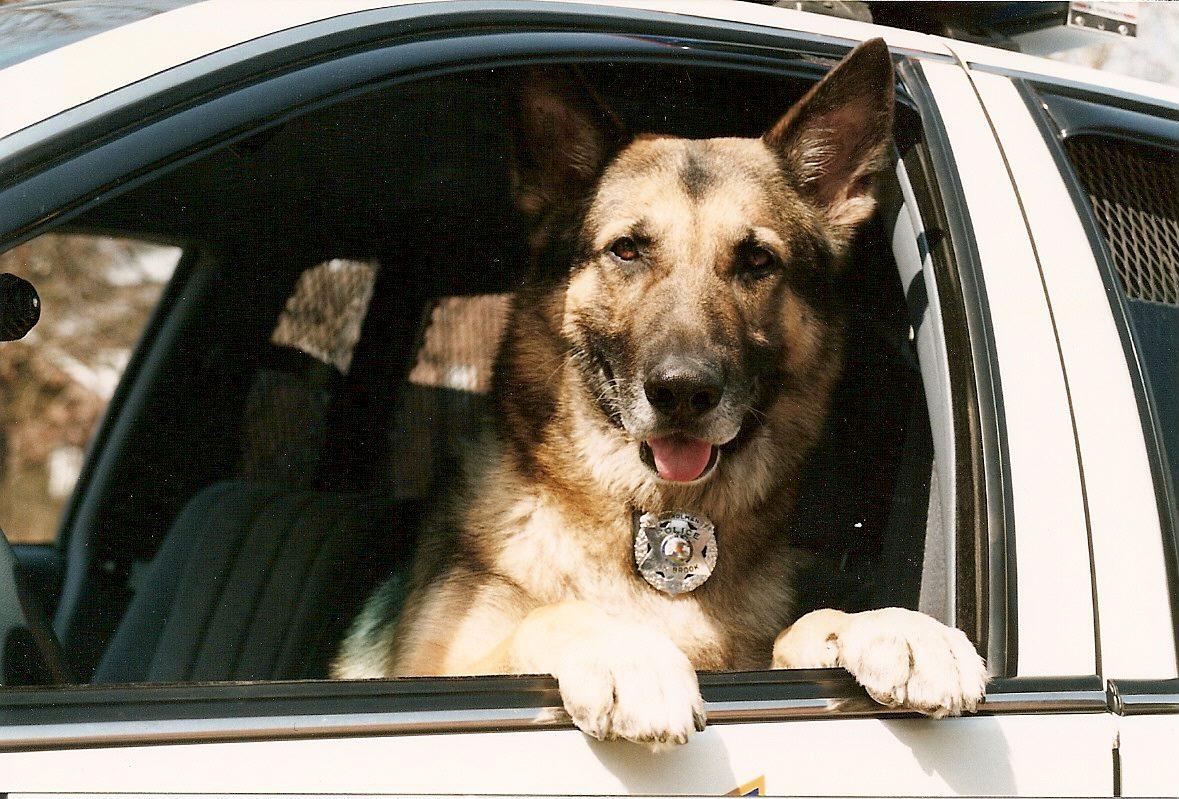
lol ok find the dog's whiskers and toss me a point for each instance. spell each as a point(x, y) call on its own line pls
point(761, 415)
point(567, 357)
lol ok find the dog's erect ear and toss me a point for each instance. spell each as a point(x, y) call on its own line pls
point(835, 139)
point(564, 136)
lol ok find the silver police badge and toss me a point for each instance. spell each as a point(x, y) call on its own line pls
point(675, 552)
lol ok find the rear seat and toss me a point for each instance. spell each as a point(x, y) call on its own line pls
point(256, 582)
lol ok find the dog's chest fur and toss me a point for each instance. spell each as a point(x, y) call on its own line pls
point(555, 550)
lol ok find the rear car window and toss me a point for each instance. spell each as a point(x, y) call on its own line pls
point(1132, 188)
point(460, 343)
point(98, 293)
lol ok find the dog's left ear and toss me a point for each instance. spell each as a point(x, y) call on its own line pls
point(564, 136)
point(835, 139)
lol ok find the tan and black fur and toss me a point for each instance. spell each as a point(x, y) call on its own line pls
point(738, 250)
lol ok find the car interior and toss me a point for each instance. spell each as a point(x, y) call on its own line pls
point(300, 397)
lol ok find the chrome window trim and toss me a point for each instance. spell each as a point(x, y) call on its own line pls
point(91, 716)
point(1144, 697)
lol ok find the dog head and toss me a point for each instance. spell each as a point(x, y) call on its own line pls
point(694, 282)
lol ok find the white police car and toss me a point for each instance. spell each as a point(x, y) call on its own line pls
point(1003, 455)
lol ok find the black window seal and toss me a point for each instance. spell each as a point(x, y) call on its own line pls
point(135, 715)
point(980, 424)
point(1090, 114)
point(1075, 114)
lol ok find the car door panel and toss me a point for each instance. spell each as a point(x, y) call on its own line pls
point(1126, 508)
point(1048, 745)
point(1041, 754)
point(1147, 746)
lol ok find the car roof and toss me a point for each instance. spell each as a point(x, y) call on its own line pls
point(29, 28)
point(169, 33)
point(976, 56)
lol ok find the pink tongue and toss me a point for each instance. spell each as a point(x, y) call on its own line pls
point(680, 459)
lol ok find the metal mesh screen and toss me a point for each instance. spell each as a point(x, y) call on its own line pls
point(1134, 191)
point(323, 315)
point(461, 343)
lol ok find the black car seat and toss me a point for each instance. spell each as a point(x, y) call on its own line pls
point(259, 576)
point(255, 582)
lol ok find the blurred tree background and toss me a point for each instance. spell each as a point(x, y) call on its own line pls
point(97, 294)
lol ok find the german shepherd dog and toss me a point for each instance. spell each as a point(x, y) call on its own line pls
point(675, 349)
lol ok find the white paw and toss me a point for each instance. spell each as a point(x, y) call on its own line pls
point(907, 659)
point(638, 686)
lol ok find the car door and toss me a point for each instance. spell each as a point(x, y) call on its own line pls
point(1095, 168)
point(1016, 561)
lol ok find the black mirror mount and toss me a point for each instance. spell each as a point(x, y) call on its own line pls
point(20, 307)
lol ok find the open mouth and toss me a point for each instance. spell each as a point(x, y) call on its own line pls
point(680, 459)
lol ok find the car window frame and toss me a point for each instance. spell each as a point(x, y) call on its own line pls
point(86, 716)
point(168, 136)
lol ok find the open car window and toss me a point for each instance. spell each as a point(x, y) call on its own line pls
point(327, 357)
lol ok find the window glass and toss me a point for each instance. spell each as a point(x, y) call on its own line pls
point(294, 530)
point(97, 294)
point(1131, 188)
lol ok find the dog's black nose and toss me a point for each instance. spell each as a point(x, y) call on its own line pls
point(684, 388)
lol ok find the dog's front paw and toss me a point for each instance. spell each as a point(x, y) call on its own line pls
point(903, 658)
point(907, 659)
point(642, 690)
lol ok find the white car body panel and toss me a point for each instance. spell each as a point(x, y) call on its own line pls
point(1044, 755)
point(1148, 747)
point(61, 79)
point(65, 77)
point(1052, 550)
point(976, 55)
point(1137, 638)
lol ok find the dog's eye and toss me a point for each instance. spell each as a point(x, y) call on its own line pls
point(625, 249)
point(757, 260)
